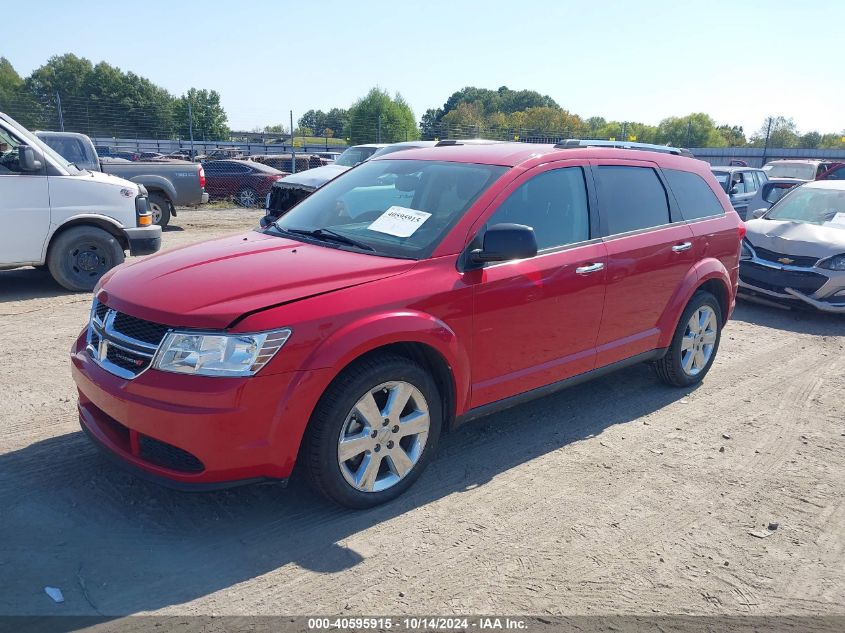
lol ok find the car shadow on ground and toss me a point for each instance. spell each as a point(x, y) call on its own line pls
point(117, 545)
point(172, 228)
point(21, 284)
point(799, 320)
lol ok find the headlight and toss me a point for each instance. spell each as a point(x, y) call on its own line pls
point(836, 262)
point(218, 354)
point(744, 251)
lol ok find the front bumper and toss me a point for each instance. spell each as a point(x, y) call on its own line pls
point(143, 240)
point(194, 432)
point(815, 287)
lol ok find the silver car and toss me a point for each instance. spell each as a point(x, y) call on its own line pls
point(796, 250)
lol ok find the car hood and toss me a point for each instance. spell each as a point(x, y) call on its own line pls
point(109, 179)
point(316, 177)
point(796, 238)
point(211, 284)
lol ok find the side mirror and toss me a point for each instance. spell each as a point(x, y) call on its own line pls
point(505, 242)
point(29, 158)
point(734, 190)
point(758, 213)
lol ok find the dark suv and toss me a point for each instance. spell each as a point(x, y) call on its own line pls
point(410, 294)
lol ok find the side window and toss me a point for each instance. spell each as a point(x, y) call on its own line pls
point(762, 178)
point(737, 184)
point(837, 174)
point(554, 204)
point(8, 154)
point(632, 198)
point(694, 195)
point(750, 181)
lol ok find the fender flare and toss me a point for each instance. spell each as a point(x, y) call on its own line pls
point(109, 224)
point(703, 271)
point(329, 358)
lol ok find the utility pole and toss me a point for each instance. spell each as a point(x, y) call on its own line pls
point(292, 148)
point(766, 143)
point(191, 126)
point(378, 137)
point(59, 108)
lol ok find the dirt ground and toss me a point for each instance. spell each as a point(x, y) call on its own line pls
point(620, 496)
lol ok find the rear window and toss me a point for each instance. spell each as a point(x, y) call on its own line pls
point(632, 198)
point(803, 171)
point(694, 195)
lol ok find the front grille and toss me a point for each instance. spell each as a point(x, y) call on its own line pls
point(168, 456)
point(772, 256)
point(777, 280)
point(122, 344)
point(141, 330)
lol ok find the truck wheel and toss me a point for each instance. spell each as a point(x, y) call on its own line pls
point(81, 255)
point(160, 208)
point(247, 197)
point(373, 432)
point(694, 344)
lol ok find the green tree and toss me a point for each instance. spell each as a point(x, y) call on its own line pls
point(781, 131)
point(502, 100)
point(465, 121)
point(731, 136)
point(15, 99)
point(692, 130)
point(377, 115)
point(209, 118)
point(810, 140)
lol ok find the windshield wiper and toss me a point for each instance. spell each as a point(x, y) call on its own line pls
point(327, 235)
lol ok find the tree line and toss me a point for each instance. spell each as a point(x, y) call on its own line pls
point(102, 100)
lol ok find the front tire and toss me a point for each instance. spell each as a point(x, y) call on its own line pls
point(373, 432)
point(81, 255)
point(694, 344)
point(160, 209)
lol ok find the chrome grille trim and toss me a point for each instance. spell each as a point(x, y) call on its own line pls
point(108, 337)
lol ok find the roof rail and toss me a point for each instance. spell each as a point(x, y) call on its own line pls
point(573, 143)
point(466, 141)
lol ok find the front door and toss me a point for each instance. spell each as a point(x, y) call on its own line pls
point(24, 206)
point(536, 320)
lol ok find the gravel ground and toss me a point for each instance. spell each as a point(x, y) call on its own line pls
point(620, 496)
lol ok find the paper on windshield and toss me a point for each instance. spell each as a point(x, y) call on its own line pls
point(399, 221)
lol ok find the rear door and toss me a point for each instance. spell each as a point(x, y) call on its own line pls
point(24, 206)
point(650, 250)
point(536, 320)
point(742, 191)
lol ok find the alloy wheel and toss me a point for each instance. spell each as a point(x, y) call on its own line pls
point(383, 436)
point(699, 340)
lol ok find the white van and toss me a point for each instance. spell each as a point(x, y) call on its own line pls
point(75, 222)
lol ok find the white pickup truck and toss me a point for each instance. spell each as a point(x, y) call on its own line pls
point(75, 222)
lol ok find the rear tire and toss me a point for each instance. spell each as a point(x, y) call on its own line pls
point(160, 209)
point(81, 255)
point(386, 456)
point(695, 343)
point(247, 198)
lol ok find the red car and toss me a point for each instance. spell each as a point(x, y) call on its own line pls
point(244, 181)
point(406, 296)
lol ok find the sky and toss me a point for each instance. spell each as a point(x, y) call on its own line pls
point(637, 60)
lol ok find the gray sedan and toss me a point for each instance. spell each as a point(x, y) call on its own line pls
point(796, 251)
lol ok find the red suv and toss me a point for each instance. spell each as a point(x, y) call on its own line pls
point(406, 296)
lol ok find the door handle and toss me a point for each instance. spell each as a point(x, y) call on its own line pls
point(680, 248)
point(589, 268)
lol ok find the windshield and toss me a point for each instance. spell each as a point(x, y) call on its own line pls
point(803, 171)
point(825, 207)
point(34, 141)
point(355, 155)
point(396, 208)
point(394, 148)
